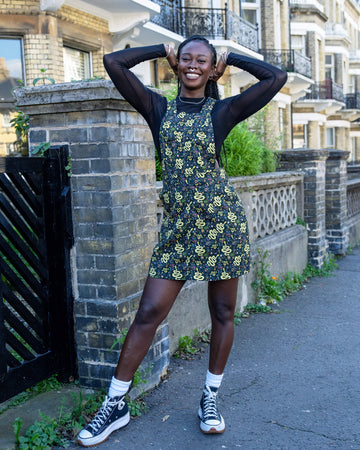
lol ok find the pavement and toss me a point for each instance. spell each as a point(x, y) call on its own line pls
point(292, 380)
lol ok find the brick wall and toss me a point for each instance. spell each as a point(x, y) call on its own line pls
point(43, 51)
point(19, 6)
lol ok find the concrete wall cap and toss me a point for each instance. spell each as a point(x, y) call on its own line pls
point(79, 91)
point(338, 154)
point(298, 154)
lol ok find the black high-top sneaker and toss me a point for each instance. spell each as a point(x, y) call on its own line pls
point(113, 414)
point(211, 421)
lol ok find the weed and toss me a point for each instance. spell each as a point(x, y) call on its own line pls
point(41, 149)
point(120, 339)
point(270, 290)
point(326, 270)
point(21, 124)
point(237, 318)
point(186, 349)
point(43, 78)
point(256, 308)
point(68, 166)
point(300, 221)
point(202, 337)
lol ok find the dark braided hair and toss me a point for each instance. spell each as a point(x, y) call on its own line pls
point(211, 88)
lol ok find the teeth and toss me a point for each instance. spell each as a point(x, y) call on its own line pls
point(192, 76)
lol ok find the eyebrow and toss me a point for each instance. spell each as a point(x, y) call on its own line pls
point(187, 53)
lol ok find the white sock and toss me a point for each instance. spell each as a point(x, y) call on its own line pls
point(118, 388)
point(213, 380)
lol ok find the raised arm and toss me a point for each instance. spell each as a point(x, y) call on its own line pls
point(233, 110)
point(118, 65)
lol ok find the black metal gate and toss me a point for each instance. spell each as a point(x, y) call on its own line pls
point(36, 319)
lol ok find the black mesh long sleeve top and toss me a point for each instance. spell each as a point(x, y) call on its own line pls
point(226, 113)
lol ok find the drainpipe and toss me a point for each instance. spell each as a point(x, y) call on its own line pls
point(226, 21)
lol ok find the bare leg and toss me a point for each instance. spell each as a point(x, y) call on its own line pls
point(222, 302)
point(157, 299)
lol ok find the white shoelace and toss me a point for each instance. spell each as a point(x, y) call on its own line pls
point(209, 404)
point(104, 413)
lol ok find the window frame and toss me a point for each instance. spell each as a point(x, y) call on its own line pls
point(79, 48)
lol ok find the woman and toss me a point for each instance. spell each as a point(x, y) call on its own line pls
point(204, 234)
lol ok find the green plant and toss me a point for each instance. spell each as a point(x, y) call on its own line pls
point(256, 308)
point(326, 270)
point(237, 318)
point(300, 221)
point(120, 339)
point(21, 124)
point(186, 349)
point(68, 166)
point(41, 149)
point(246, 153)
point(270, 289)
point(42, 435)
point(43, 78)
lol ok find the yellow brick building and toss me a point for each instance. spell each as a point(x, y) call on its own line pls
point(68, 43)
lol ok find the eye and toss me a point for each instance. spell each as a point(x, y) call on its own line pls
point(202, 61)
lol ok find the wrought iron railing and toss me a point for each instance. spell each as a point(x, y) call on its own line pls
point(288, 60)
point(352, 101)
point(212, 23)
point(327, 89)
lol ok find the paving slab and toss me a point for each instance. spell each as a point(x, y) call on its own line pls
point(292, 381)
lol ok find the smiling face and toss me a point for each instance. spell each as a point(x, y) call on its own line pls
point(195, 66)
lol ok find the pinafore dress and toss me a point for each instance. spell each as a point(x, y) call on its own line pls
point(204, 233)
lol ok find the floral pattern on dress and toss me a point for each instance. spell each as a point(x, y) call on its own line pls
point(204, 233)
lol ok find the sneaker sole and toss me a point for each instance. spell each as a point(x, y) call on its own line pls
point(211, 429)
point(91, 442)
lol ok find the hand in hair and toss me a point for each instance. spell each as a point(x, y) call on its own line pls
point(220, 67)
point(171, 58)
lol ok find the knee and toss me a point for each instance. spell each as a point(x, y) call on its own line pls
point(222, 313)
point(148, 314)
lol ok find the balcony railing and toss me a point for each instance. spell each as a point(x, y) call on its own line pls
point(352, 101)
point(212, 23)
point(288, 60)
point(327, 89)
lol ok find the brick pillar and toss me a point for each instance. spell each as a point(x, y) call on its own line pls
point(114, 213)
point(312, 163)
point(337, 232)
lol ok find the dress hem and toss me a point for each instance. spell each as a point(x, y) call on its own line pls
point(245, 272)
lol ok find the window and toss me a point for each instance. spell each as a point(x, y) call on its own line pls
point(6, 117)
point(329, 67)
point(76, 64)
point(330, 137)
point(298, 43)
point(11, 72)
point(249, 15)
point(250, 10)
point(11, 67)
